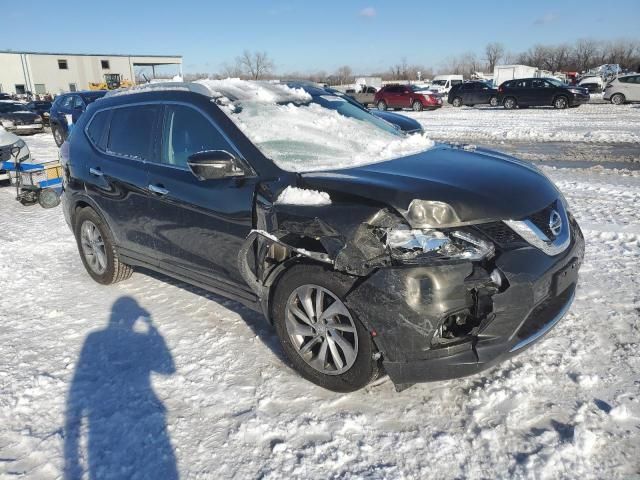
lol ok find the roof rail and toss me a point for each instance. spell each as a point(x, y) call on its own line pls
point(161, 86)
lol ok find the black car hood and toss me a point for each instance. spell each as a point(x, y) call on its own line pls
point(405, 123)
point(29, 117)
point(480, 185)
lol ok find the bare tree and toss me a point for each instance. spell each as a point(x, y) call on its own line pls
point(493, 52)
point(232, 70)
point(344, 75)
point(584, 54)
point(256, 65)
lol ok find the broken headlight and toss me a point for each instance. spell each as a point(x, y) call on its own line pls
point(418, 244)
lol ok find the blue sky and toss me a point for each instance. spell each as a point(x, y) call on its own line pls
point(308, 36)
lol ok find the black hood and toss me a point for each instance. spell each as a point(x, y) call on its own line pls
point(480, 185)
point(405, 123)
point(27, 117)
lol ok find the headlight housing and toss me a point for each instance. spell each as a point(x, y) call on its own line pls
point(431, 214)
point(416, 245)
point(20, 144)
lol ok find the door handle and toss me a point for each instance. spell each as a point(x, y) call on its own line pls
point(158, 189)
point(96, 171)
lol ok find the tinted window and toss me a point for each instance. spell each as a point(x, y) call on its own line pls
point(456, 82)
point(185, 132)
point(539, 83)
point(77, 102)
point(131, 131)
point(394, 89)
point(97, 129)
point(67, 102)
point(520, 84)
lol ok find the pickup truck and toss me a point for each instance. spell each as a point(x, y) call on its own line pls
point(364, 96)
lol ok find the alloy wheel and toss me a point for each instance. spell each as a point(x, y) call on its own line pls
point(617, 99)
point(509, 103)
point(457, 102)
point(93, 247)
point(561, 103)
point(493, 102)
point(321, 329)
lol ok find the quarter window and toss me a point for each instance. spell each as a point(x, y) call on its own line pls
point(97, 129)
point(131, 132)
point(185, 132)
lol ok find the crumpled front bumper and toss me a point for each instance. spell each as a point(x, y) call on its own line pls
point(411, 303)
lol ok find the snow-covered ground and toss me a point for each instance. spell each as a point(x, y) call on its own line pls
point(201, 388)
point(593, 123)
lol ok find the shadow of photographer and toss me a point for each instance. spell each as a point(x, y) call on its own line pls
point(112, 404)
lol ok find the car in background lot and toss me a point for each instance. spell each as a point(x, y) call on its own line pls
point(540, 92)
point(369, 251)
point(473, 93)
point(5, 96)
point(406, 96)
point(66, 110)
point(623, 89)
point(442, 84)
point(366, 96)
point(16, 117)
point(11, 144)
point(42, 108)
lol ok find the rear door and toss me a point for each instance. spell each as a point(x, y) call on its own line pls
point(542, 92)
point(633, 89)
point(393, 96)
point(523, 92)
point(198, 225)
point(117, 177)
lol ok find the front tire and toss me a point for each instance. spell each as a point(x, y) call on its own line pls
point(97, 249)
point(417, 106)
point(493, 101)
point(382, 105)
point(323, 340)
point(561, 103)
point(58, 135)
point(457, 102)
point(618, 99)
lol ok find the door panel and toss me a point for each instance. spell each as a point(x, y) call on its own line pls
point(117, 176)
point(198, 225)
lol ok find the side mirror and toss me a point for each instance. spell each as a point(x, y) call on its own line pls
point(214, 164)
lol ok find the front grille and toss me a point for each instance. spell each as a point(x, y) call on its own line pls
point(541, 220)
point(501, 234)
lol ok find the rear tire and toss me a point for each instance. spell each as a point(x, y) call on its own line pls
point(58, 136)
point(316, 364)
point(510, 103)
point(457, 102)
point(97, 249)
point(417, 106)
point(618, 99)
point(382, 105)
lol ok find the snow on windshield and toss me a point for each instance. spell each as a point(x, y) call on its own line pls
point(301, 133)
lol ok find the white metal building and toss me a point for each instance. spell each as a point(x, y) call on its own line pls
point(54, 73)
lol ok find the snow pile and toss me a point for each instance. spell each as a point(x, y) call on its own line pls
point(300, 135)
point(301, 196)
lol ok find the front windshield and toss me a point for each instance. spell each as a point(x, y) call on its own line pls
point(555, 82)
point(304, 132)
point(439, 82)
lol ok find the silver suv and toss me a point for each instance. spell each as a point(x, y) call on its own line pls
point(623, 89)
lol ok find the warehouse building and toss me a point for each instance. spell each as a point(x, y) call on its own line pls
point(54, 73)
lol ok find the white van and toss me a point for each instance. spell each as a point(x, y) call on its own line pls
point(443, 83)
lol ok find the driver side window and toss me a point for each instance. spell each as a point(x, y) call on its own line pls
point(185, 132)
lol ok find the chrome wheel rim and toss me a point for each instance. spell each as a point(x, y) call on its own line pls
point(493, 102)
point(321, 329)
point(457, 102)
point(416, 106)
point(93, 247)
point(617, 99)
point(381, 106)
point(509, 103)
point(561, 103)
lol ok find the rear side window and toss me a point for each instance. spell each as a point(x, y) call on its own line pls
point(456, 82)
point(187, 131)
point(624, 79)
point(97, 129)
point(131, 131)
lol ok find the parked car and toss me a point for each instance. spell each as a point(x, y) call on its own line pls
point(406, 96)
point(16, 117)
point(365, 96)
point(443, 83)
point(42, 108)
point(593, 83)
point(5, 96)
point(472, 93)
point(623, 89)
point(370, 251)
point(540, 92)
point(67, 109)
point(12, 147)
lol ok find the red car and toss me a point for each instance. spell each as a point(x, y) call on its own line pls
point(406, 96)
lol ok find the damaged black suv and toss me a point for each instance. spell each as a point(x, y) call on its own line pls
point(371, 251)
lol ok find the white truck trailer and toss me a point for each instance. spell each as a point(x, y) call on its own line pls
point(503, 73)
